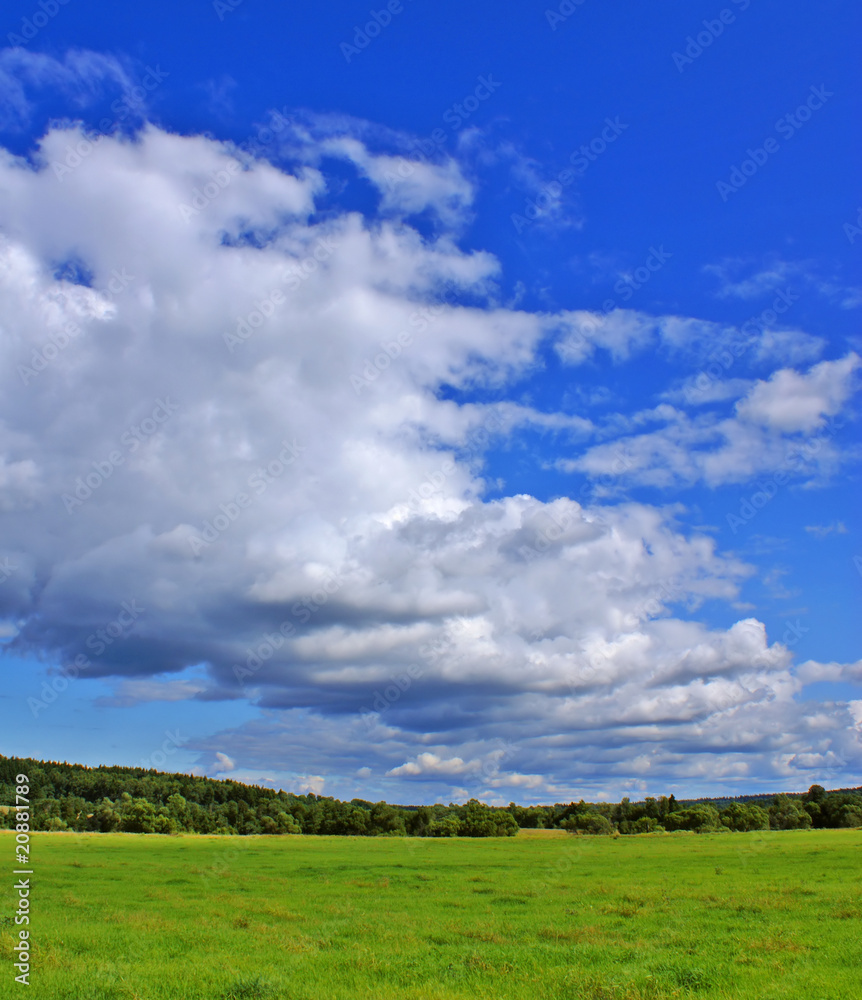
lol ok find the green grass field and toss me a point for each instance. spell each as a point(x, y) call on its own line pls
point(772, 915)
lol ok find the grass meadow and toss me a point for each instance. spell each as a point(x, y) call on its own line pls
point(767, 915)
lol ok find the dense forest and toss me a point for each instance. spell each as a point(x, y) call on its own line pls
point(134, 800)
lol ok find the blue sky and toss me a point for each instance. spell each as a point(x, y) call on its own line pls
point(430, 402)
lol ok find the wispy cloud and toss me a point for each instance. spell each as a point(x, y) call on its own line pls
point(824, 530)
point(82, 77)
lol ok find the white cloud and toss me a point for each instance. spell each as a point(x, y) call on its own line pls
point(791, 401)
point(715, 348)
point(762, 282)
point(81, 77)
point(776, 275)
point(409, 186)
point(136, 692)
point(823, 530)
point(764, 436)
point(811, 671)
point(430, 764)
point(371, 537)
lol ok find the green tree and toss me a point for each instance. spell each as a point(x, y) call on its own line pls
point(137, 816)
point(444, 826)
point(385, 819)
point(788, 814)
point(701, 818)
point(588, 822)
point(744, 817)
point(647, 824)
point(106, 817)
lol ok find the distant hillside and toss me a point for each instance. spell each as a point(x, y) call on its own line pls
point(64, 796)
point(722, 802)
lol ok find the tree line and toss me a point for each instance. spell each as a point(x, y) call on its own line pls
point(134, 800)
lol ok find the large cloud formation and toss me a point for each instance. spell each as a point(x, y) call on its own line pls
point(223, 443)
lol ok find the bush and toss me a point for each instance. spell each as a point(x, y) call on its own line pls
point(744, 818)
point(647, 824)
point(700, 819)
point(592, 823)
point(788, 814)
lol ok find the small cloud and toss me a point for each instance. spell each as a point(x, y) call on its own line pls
point(219, 99)
point(741, 279)
point(699, 391)
point(82, 77)
point(364, 772)
point(311, 783)
point(226, 763)
point(822, 530)
point(431, 764)
point(761, 282)
point(129, 693)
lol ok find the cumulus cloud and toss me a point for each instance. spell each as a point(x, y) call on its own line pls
point(791, 401)
point(229, 445)
point(430, 763)
point(781, 425)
